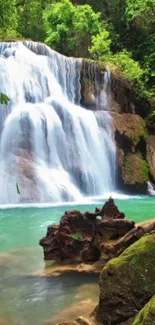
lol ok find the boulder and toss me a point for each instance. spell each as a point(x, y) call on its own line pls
point(127, 283)
point(147, 315)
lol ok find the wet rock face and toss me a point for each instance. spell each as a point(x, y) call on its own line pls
point(130, 127)
point(83, 237)
point(127, 283)
point(135, 172)
point(130, 136)
point(151, 155)
point(126, 97)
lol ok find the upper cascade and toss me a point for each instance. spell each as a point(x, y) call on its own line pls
point(51, 149)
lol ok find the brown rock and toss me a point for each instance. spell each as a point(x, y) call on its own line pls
point(129, 126)
point(79, 236)
point(120, 157)
point(110, 211)
point(135, 172)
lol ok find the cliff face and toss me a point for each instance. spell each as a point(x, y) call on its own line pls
point(133, 135)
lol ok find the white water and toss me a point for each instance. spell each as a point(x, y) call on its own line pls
point(151, 189)
point(54, 149)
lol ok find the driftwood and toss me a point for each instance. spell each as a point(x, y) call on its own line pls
point(131, 237)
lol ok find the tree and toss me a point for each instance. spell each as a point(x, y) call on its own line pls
point(69, 28)
point(100, 48)
point(8, 18)
point(8, 14)
point(30, 18)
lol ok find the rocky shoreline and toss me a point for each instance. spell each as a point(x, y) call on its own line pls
point(126, 253)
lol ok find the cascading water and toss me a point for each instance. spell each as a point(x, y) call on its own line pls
point(50, 147)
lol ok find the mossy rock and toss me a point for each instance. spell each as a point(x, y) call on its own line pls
point(135, 169)
point(147, 315)
point(130, 126)
point(127, 282)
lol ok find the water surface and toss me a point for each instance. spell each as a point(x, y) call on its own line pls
point(26, 298)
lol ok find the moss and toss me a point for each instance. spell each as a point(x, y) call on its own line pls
point(135, 169)
point(147, 315)
point(145, 170)
point(134, 265)
point(136, 135)
point(127, 281)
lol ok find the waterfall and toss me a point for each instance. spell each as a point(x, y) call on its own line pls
point(50, 147)
point(151, 189)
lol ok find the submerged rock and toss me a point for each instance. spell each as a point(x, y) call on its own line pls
point(127, 283)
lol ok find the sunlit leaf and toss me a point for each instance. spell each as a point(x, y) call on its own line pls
point(4, 99)
point(17, 187)
point(76, 235)
point(133, 261)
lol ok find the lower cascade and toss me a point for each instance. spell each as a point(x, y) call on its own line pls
point(51, 149)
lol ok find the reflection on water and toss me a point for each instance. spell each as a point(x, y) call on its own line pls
point(27, 295)
point(30, 300)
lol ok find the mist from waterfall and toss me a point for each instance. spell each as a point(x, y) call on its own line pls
point(52, 148)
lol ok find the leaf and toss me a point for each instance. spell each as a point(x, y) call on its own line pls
point(133, 261)
point(4, 99)
point(17, 187)
point(76, 236)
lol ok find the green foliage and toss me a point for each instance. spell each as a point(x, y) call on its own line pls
point(119, 31)
point(8, 14)
point(139, 9)
point(9, 34)
point(4, 99)
point(128, 66)
point(30, 20)
point(100, 48)
point(76, 236)
point(145, 170)
point(69, 28)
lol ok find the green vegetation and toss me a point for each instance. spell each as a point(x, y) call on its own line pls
point(76, 235)
point(147, 315)
point(145, 170)
point(70, 28)
point(131, 275)
point(135, 169)
point(4, 99)
point(121, 32)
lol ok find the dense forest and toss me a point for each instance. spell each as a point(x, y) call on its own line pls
point(121, 32)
